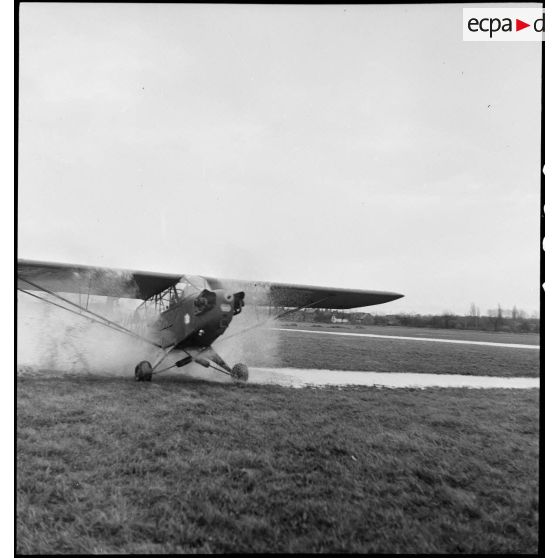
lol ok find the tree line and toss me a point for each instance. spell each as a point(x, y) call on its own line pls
point(498, 319)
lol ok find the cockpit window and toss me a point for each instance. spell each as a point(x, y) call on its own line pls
point(180, 288)
point(191, 284)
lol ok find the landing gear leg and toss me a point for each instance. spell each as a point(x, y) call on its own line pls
point(238, 372)
point(144, 371)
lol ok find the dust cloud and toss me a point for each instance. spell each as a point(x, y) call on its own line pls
point(50, 339)
point(244, 341)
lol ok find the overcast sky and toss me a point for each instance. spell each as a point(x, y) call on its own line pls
point(351, 146)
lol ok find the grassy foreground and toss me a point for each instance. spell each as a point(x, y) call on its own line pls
point(107, 465)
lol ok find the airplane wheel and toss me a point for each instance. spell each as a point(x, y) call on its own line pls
point(143, 372)
point(240, 372)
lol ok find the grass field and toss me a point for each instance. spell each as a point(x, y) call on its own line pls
point(465, 334)
point(107, 465)
point(302, 350)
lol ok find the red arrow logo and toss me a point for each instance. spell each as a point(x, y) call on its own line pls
point(519, 25)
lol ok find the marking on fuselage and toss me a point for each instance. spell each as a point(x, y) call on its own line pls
point(433, 340)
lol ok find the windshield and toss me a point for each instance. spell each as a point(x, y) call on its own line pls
point(191, 284)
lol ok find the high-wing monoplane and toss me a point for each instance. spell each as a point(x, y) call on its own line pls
point(182, 312)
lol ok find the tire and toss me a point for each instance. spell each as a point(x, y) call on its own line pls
point(143, 372)
point(240, 372)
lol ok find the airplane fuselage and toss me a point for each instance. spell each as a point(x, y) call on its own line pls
point(194, 320)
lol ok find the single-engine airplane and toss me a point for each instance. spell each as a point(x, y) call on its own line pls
point(182, 312)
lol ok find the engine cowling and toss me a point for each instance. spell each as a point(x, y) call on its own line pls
point(238, 302)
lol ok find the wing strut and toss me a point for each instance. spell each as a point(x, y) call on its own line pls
point(286, 313)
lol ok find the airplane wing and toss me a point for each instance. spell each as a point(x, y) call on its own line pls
point(283, 294)
point(104, 281)
point(70, 278)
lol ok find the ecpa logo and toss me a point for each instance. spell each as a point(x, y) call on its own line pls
point(503, 24)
